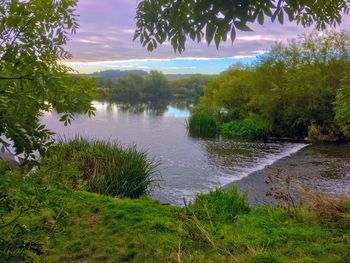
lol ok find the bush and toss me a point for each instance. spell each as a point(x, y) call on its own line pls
point(293, 86)
point(251, 129)
point(105, 167)
point(220, 205)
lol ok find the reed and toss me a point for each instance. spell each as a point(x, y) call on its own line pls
point(109, 168)
point(202, 123)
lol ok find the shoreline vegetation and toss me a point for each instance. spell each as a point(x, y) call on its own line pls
point(296, 90)
point(61, 212)
point(150, 88)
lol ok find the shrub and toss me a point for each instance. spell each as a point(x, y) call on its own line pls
point(252, 129)
point(293, 85)
point(220, 205)
point(106, 167)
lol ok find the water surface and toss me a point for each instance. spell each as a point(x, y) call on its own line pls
point(188, 165)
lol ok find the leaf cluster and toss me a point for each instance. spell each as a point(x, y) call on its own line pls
point(160, 21)
point(32, 77)
point(22, 200)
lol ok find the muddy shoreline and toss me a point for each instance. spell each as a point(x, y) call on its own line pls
point(322, 166)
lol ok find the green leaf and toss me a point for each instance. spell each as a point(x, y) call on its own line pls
point(242, 26)
point(217, 39)
point(281, 17)
point(233, 34)
point(210, 32)
point(261, 18)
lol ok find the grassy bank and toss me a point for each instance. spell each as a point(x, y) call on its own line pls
point(48, 218)
point(219, 227)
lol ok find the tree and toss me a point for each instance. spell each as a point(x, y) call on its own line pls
point(297, 89)
point(156, 88)
point(32, 78)
point(342, 106)
point(174, 21)
point(129, 88)
point(189, 89)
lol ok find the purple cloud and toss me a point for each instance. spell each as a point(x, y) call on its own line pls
point(106, 31)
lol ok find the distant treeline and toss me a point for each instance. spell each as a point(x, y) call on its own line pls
point(152, 87)
point(297, 90)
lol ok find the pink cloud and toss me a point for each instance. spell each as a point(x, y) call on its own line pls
point(106, 31)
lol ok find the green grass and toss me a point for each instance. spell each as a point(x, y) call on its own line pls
point(218, 227)
point(102, 167)
point(202, 123)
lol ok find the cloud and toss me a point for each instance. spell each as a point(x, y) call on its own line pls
point(107, 27)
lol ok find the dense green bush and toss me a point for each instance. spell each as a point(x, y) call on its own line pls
point(252, 129)
point(189, 89)
point(133, 88)
point(342, 105)
point(102, 167)
point(293, 89)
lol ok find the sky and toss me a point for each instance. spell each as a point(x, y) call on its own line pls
point(104, 41)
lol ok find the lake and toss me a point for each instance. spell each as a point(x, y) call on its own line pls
point(188, 164)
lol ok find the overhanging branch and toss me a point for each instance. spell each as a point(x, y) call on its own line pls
point(15, 78)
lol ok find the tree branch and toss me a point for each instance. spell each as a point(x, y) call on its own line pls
point(16, 78)
point(22, 212)
point(17, 34)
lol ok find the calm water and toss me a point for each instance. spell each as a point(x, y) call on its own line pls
point(189, 165)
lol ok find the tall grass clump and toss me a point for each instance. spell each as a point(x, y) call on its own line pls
point(107, 167)
point(202, 123)
point(220, 205)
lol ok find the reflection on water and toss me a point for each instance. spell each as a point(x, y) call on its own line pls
point(189, 165)
point(158, 109)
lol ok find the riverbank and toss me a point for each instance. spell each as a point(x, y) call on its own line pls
point(51, 215)
point(78, 226)
point(321, 166)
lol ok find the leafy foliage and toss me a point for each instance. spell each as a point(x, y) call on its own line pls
point(153, 88)
point(32, 77)
point(158, 21)
point(342, 106)
point(189, 89)
point(250, 128)
point(138, 89)
point(157, 87)
point(22, 198)
point(294, 90)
